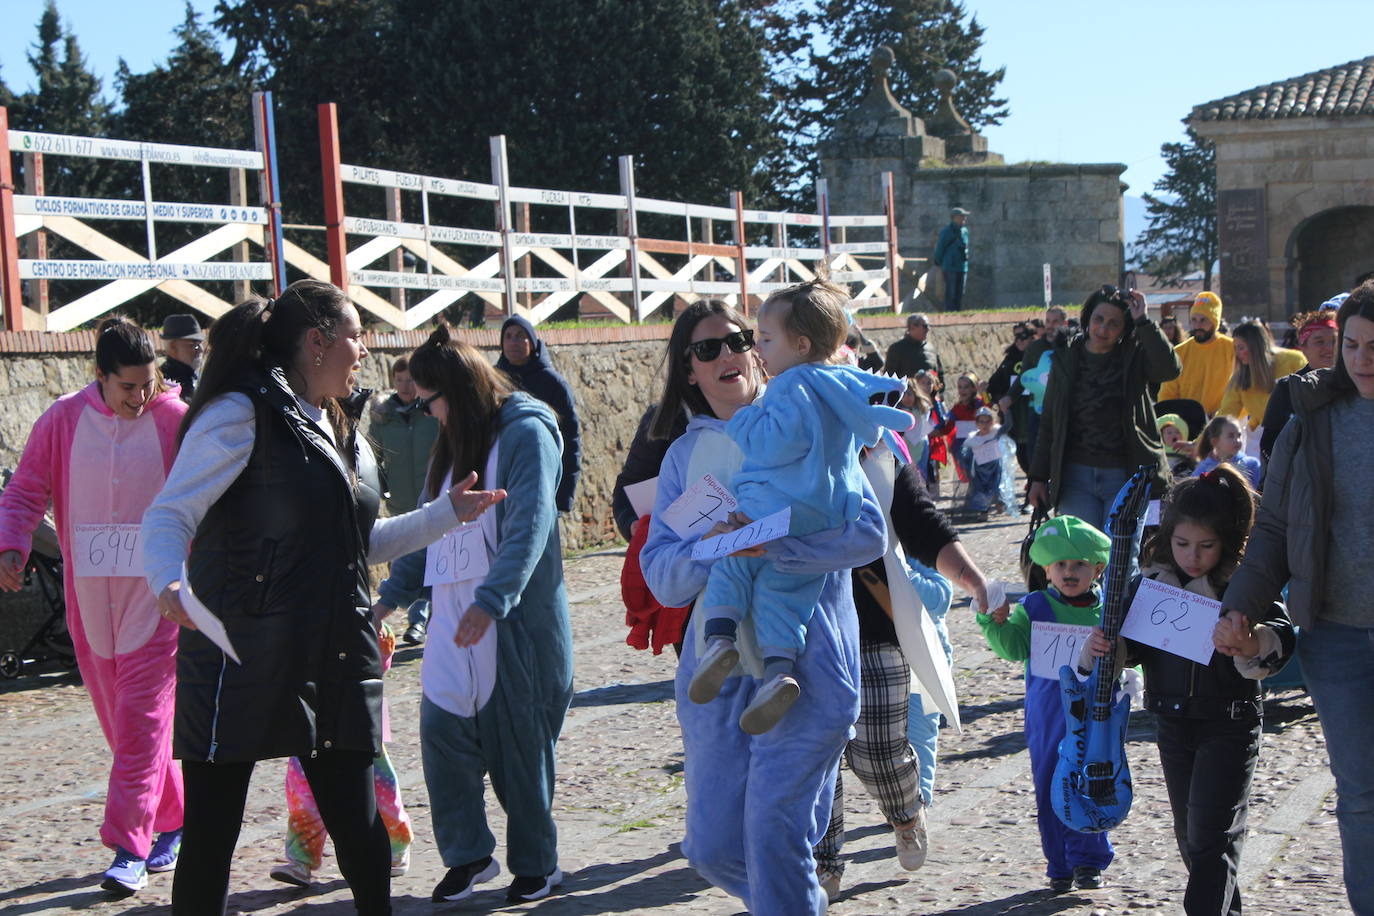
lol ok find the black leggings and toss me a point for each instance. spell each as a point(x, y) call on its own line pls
point(215, 795)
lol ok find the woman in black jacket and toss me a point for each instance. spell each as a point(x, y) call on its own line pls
point(525, 359)
point(268, 521)
point(1098, 422)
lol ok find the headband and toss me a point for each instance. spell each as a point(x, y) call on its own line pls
point(1313, 326)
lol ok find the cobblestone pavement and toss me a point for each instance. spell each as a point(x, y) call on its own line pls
point(620, 799)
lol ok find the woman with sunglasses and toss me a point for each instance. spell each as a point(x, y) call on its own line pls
point(756, 804)
point(269, 517)
point(497, 674)
point(1098, 422)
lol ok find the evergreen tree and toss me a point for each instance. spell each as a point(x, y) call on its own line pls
point(925, 35)
point(66, 100)
point(680, 84)
point(195, 98)
point(1182, 235)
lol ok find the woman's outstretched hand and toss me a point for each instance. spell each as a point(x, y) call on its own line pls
point(469, 504)
point(11, 571)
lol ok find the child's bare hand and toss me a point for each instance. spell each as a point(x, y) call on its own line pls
point(1098, 644)
point(740, 519)
point(730, 525)
point(1235, 636)
point(999, 615)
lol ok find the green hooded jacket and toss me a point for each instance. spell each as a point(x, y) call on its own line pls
point(1149, 361)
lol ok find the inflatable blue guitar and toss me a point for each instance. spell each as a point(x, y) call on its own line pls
point(1092, 783)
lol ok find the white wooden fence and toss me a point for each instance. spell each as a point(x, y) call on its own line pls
point(731, 252)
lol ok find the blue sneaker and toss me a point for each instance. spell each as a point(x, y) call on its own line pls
point(166, 848)
point(127, 875)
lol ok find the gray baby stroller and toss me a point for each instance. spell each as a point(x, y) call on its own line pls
point(35, 618)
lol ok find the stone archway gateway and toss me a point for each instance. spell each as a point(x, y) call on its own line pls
point(1326, 253)
point(1295, 187)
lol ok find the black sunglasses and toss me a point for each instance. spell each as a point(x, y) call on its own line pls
point(422, 404)
point(709, 349)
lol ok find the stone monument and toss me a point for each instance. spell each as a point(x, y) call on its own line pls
point(1023, 215)
point(1295, 188)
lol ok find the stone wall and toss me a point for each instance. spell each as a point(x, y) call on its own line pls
point(1023, 216)
point(1298, 170)
point(614, 373)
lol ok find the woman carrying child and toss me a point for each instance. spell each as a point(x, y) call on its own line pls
point(756, 805)
point(1209, 717)
point(1073, 554)
point(801, 444)
point(1222, 442)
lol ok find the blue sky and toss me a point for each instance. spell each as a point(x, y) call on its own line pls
point(1087, 81)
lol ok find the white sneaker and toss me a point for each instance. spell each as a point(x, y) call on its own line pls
point(830, 881)
point(401, 865)
point(912, 841)
point(713, 668)
point(290, 871)
point(770, 704)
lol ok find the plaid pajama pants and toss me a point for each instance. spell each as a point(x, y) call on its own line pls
point(880, 753)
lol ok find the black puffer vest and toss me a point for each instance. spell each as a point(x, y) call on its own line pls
point(281, 558)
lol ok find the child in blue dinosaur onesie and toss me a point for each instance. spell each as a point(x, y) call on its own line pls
point(801, 444)
point(1073, 554)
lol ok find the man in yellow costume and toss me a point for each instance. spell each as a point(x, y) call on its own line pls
point(1207, 356)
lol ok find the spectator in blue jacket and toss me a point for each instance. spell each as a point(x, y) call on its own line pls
point(526, 361)
point(951, 253)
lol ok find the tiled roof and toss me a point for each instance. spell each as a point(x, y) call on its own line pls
point(1341, 91)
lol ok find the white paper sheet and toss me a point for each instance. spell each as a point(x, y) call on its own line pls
point(761, 531)
point(107, 551)
point(204, 618)
point(1054, 645)
point(642, 495)
point(1174, 620)
point(699, 507)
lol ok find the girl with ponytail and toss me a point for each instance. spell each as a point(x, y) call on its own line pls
point(100, 455)
point(269, 519)
point(1209, 717)
point(497, 674)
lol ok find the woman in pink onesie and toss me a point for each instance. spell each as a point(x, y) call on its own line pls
point(100, 455)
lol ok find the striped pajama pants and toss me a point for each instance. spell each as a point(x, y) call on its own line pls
point(880, 753)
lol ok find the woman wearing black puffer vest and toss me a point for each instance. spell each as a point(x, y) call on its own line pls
point(271, 509)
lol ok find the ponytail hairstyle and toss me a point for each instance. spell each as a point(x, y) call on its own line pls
point(269, 333)
point(119, 343)
point(473, 391)
point(1222, 500)
point(1214, 428)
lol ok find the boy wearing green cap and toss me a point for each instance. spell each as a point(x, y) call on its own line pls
point(1073, 554)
